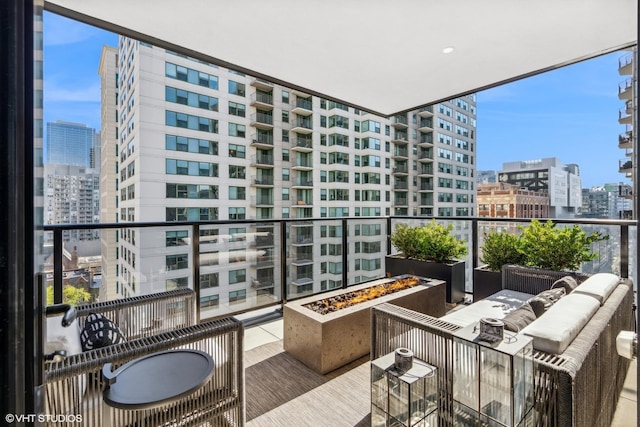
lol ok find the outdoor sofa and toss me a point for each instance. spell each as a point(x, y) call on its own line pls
point(578, 387)
point(149, 324)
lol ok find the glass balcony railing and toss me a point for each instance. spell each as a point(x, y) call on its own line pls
point(245, 265)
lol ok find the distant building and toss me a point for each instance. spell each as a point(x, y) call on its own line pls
point(72, 196)
point(606, 201)
point(503, 200)
point(561, 183)
point(72, 144)
point(628, 140)
point(487, 176)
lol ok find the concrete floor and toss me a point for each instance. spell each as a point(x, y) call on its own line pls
point(625, 416)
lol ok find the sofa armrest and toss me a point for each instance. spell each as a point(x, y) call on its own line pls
point(145, 315)
point(74, 385)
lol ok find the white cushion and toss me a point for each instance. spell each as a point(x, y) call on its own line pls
point(599, 286)
point(557, 328)
point(495, 306)
point(61, 338)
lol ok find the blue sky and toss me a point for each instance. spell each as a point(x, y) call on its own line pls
point(570, 113)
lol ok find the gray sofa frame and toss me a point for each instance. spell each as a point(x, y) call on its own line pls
point(579, 387)
point(152, 323)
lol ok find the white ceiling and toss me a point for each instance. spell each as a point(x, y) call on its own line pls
point(384, 56)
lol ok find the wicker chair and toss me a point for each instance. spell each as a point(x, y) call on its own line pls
point(152, 323)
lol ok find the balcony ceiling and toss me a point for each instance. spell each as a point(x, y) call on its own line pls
point(384, 56)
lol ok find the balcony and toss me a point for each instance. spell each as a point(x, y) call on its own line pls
point(401, 152)
point(425, 124)
point(400, 138)
point(262, 181)
point(303, 164)
point(426, 111)
point(625, 65)
point(262, 161)
point(625, 140)
point(262, 100)
point(262, 120)
point(266, 364)
point(426, 139)
point(400, 170)
point(625, 89)
point(261, 84)
point(262, 201)
point(625, 115)
point(302, 125)
point(625, 166)
point(400, 121)
point(303, 107)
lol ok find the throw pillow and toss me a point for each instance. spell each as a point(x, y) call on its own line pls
point(567, 282)
point(99, 332)
point(545, 299)
point(519, 318)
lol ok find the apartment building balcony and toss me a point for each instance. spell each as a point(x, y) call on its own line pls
point(261, 84)
point(262, 161)
point(425, 186)
point(262, 201)
point(625, 140)
point(625, 166)
point(625, 65)
point(262, 181)
point(401, 186)
point(302, 107)
point(425, 169)
point(400, 170)
point(302, 164)
point(400, 137)
point(400, 152)
point(625, 89)
point(625, 114)
point(261, 100)
point(401, 201)
point(400, 121)
point(425, 124)
point(262, 120)
point(426, 111)
point(426, 139)
point(425, 156)
point(266, 261)
point(302, 182)
point(302, 125)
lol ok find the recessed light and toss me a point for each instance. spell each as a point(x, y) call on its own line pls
point(448, 49)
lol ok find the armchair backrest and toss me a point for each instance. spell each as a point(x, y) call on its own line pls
point(534, 280)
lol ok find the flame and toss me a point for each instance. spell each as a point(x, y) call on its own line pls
point(375, 292)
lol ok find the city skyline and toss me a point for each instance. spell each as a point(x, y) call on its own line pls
point(567, 113)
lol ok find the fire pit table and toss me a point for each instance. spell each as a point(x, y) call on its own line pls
point(325, 342)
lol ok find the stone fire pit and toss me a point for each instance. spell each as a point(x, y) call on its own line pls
point(325, 342)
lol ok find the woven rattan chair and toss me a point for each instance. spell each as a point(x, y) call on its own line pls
point(152, 323)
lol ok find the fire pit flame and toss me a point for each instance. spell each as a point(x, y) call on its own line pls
point(349, 299)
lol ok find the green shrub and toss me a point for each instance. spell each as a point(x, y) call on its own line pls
point(548, 247)
point(500, 248)
point(431, 242)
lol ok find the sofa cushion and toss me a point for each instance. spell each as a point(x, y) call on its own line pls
point(545, 299)
point(495, 306)
point(599, 286)
point(566, 282)
point(519, 318)
point(553, 332)
point(62, 338)
point(99, 332)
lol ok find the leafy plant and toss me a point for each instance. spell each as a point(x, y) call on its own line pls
point(431, 242)
point(70, 295)
point(501, 248)
point(548, 247)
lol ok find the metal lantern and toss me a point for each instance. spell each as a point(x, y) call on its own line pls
point(492, 379)
point(404, 391)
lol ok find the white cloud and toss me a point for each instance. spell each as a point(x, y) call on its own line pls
point(75, 93)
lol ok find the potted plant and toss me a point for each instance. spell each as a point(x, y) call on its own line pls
point(539, 245)
point(432, 251)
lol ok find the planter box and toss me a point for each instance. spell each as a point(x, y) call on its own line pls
point(485, 283)
point(452, 274)
point(325, 342)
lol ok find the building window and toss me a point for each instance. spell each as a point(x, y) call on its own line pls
point(237, 193)
point(237, 296)
point(176, 238)
point(191, 214)
point(237, 151)
point(191, 145)
point(211, 301)
point(237, 130)
point(209, 280)
point(237, 276)
point(192, 99)
point(237, 213)
point(185, 167)
point(236, 88)
point(237, 172)
point(177, 262)
point(185, 74)
point(191, 191)
point(285, 97)
point(178, 282)
point(236, 109)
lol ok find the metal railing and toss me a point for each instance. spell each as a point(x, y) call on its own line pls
point(274, 241)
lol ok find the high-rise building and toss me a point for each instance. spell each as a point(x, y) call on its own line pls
point(71, 144)
point(561, 183)
point(72, 196)
point(628, 140)
point(108, 71)
point(200, 142)
point(605, 201)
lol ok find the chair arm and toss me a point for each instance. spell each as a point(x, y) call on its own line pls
point(145, 315)
point(74, 385)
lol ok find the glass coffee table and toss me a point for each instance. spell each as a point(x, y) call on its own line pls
point(157, 379)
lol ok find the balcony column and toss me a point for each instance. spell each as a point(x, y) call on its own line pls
point(19, 312)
